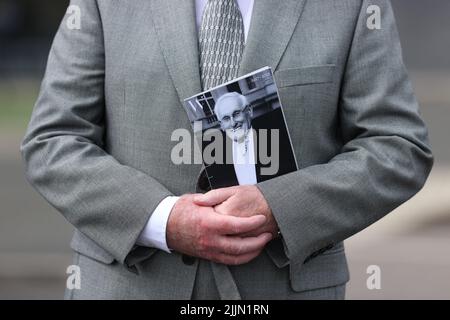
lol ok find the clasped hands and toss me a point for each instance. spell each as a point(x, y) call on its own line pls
point(229, 226)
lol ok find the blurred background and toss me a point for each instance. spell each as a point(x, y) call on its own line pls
point(411, 245)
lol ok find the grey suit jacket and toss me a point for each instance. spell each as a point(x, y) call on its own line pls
point(98, 145)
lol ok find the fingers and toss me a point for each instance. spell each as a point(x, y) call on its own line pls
point(232, 260)
point(235, 225)
point(256, 232)
point(239, 246)
point(214, 197)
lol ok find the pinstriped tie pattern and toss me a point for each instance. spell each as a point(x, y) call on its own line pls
point(222, 41)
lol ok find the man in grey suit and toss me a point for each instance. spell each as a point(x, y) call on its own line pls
point(98, 147)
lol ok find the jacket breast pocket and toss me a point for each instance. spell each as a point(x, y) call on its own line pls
point(305, 75)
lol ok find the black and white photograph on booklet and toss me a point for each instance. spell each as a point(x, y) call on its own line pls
point(242, 130)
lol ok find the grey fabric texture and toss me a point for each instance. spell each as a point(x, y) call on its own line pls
point(98, 145)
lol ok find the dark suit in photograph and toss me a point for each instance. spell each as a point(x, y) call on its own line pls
point(223, 174)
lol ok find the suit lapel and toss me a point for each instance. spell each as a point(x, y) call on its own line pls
point(273, 23)
point(176, 29)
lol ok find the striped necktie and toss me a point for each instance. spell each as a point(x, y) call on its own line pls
point(222, 41)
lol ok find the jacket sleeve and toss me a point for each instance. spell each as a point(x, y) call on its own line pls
point(106, 201)
point(385, 158)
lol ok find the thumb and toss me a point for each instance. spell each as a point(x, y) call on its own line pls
point(213, 197)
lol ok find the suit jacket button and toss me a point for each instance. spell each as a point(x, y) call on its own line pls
point(188, 260)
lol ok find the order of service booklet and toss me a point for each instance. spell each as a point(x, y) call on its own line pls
point(241, 131)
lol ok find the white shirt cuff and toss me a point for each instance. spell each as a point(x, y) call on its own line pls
point(154, 233)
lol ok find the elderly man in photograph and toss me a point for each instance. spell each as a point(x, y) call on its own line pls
point(251, 150)
point(98, 146)
point(235, 117)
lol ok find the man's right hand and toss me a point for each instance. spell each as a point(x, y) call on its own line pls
point(201, 232)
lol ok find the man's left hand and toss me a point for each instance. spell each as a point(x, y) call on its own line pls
point(241, 201)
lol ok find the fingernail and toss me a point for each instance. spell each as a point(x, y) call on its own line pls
point(263, 217)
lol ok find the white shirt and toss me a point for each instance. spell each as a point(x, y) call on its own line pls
point(244, 161)
point(154, 233)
